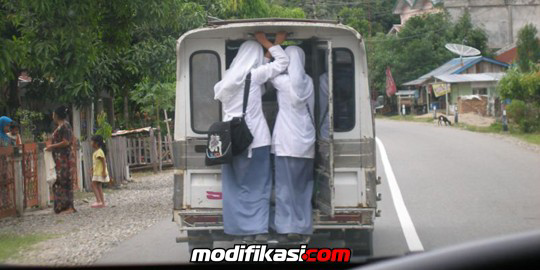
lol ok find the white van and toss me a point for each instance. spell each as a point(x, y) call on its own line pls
point(344, 197)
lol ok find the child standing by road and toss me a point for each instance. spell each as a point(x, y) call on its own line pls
point(100, 174)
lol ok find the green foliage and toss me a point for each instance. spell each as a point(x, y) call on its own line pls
point(247, 9)
point(354, 17)
point(27, 120)
point(105, 129)
point(524, 90)
point(521, 85)
point(419, 47)
point(528, 48)
point(516, 110)
point(525, 115)
point(464, 32)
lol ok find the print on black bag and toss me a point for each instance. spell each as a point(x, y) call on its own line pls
point(230, 138)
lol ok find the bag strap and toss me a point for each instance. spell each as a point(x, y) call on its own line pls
point(247, 85)
point(310, 116)
point(323, 117)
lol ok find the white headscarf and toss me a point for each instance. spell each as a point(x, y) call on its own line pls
point(299, 79)
point(249, 56)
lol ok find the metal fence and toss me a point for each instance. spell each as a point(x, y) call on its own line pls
point(23, 183)
point(30, 174)
point(7, 182)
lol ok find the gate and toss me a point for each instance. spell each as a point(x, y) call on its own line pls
point(30, 175)
point(7, 182)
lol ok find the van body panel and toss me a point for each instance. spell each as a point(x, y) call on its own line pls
point(349, 186)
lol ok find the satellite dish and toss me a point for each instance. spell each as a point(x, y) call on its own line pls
point(462, 50)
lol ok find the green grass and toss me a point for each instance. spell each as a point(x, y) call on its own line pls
point(533, 138)
point(11, 244)
point(407, 118)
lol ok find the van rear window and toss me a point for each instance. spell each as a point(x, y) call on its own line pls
point(344, 100)
point(205, 72)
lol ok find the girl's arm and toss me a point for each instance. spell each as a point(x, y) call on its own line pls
point(268, 71)
point(104, 172)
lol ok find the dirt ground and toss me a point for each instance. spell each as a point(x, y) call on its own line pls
point(466, 118)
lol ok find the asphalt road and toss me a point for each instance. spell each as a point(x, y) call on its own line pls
point(456, 186)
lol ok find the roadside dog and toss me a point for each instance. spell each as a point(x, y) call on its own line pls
point(443, 119)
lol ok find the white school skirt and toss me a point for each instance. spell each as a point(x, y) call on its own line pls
point(99, 178)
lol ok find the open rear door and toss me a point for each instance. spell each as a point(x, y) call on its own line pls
point(324, 157)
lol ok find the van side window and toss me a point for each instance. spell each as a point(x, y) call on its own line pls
point(344, 99)
point(205, 72)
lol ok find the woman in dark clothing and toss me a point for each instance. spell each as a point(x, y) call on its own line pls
point(61, 148)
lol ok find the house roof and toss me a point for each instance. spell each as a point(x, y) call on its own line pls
point(478, 77)
point(131, 131)
point(507, 55)
point(411, 3)
point(454, 66)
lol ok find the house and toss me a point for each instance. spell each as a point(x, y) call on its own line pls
point(406, 99)
point(501, 19)
point(442, 87)
point(507, 54)
point(410, 8)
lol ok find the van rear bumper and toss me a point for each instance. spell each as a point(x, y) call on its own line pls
point(211, 219)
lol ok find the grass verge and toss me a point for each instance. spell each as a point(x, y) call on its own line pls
point(407, 118)
point(533, 138)
point(11, 244)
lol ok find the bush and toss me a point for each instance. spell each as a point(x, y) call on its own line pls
point(525, 115)
point(105, 129)
point(27, 120)
point(516, 111)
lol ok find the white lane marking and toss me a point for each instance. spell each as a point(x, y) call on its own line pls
point(413, 241)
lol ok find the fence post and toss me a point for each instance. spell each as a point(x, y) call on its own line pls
point(87, 162)
point(160, 150)
point(19, 182)
point(43, 186)
point(153, 152)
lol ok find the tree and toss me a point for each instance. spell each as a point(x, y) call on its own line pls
point(74, 50)
point(521, 85)
point(419, 47)
point(464, 32)
point(528, 48)
point(354, 17)
point(524, 90)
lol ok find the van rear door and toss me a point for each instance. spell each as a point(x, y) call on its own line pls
point(324, 157)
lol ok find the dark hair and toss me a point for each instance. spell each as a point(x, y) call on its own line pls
point(13, 125)
point(98, 139)
point(61, 112)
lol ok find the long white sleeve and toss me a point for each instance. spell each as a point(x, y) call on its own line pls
point(265, 72)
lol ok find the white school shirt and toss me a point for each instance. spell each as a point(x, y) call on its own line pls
point(294, 131)
point(232, 105)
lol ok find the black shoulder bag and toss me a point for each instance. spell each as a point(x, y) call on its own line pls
point(229, 138)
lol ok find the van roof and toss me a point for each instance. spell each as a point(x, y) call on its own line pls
point(224, 22)
point(300, 28)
